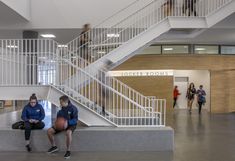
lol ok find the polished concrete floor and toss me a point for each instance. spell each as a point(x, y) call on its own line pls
point(197, 138)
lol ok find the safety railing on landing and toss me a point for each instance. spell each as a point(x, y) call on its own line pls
point(110, 103)
point(107, 80)
point(39, 62)
point(110, 34)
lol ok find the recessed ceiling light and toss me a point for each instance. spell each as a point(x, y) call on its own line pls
point(200, 49)
point(62, 46)
point(168, 49)
point(113, 35)
point(12, 46)
point(42, 57)
point(48, 35)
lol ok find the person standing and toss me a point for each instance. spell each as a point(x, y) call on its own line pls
point(70, 113)
point(104, 98)
point(190, 6)
point(84, 40)
point(190, 96)
point(168, 7)
point(175, 95)
point(32, 115)
point(201, 98)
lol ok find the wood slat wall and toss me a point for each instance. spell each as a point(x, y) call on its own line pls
point(221, 67)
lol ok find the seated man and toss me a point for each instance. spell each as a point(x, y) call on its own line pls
point(70, 113)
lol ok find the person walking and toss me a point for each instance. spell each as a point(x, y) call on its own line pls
point(190, 96)
point(175, 95)
point(190, 7)
point(83, 42)
point(201, 98)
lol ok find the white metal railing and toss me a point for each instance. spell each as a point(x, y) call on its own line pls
point(107, 86)
point(104, 38)
point(110, 103)
point(112, 82)
point(154, 12)
point(27, 62)
point(39, 62)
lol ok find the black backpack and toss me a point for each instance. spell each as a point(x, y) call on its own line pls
point(18, 125)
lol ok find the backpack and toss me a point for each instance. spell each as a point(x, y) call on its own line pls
point(18, 125)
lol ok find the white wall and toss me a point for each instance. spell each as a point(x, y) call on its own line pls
point(60, 14)
point(198, 77)
point(22, 7)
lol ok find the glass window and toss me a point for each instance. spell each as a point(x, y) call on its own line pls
point(175, 49)
point(151, 50)
point(227, 49)
point(206, 49)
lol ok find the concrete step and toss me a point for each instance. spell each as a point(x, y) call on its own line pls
point(94, 139)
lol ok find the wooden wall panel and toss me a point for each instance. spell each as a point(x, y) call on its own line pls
point(221, 67)
point(181, 62)
point(161, 87)
point(222, 91)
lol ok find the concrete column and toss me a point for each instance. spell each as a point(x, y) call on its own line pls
point(29, 48)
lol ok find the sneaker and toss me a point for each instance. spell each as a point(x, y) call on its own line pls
point(190, 112)
point(52, 149)
point(29, 149)
point(67, 155)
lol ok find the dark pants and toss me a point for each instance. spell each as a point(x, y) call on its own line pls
point(191, 6)
point(175, 99)
point(83, 53)
point(31, 126)
point(200, 107)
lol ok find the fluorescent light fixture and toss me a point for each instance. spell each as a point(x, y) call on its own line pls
point(101, 52)
point(48, 35)
point(62, 46)
point(113, 35)
point(42, 57)
point(12, 46)
point(200, 49)
point(168, 49)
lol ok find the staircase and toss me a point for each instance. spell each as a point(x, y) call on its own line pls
point(36, 66)
point(113, 43)
point(102, 100)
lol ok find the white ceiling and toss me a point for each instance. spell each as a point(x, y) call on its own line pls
point(221, 33)
point(9, 16)
point(62, 35)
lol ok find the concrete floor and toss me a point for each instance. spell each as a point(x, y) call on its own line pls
point(197, 138)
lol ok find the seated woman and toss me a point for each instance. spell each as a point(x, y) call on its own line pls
point(32, 115)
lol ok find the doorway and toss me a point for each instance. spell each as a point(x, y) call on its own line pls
point(183, 78)
point(182, 83)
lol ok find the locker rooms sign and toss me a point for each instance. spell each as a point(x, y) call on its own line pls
point(140, 73)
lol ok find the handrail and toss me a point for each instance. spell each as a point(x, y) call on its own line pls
point(114, 91)
point(107, 87)
point(146, 113)
point(115, 79)
point(113, 15)
point(152, 13)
